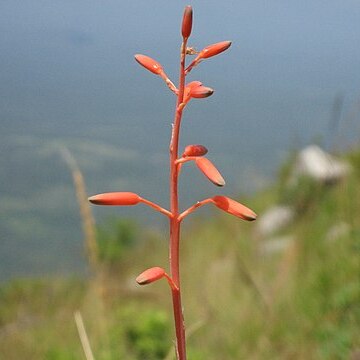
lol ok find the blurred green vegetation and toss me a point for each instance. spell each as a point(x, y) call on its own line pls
point(241, 302)
point(114, 238)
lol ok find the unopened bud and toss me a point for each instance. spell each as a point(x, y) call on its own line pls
point(210, 171)
point(189, 87)
point(234, 208)
point(193, 84)
point(214, 49)
point(187, 22)
point(115, 199)
point(150, 275)
point(195, 150)
point(149, 63)
point(200, 92)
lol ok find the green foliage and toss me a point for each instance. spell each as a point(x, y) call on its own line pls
point(148, 334)
point(115, 237)
point(59, 354)
point(354, 158)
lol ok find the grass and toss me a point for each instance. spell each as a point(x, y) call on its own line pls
point(299, 303)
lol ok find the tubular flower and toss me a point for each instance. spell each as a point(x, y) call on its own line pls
point(115, 199)
point(210, 171)
point(149, 64)
point(234, 208)
point(187, 22)
point(200, 92)
point(150, 275)
point(214, 49)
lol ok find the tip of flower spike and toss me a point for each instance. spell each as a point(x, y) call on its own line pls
point(234, 208)
point(150, 275)
point(149, 63)
point(115, 199)
point(187, 22)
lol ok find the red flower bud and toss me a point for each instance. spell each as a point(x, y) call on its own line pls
point(187, 22)
point(234, 208)
point(115, 198)
point(210, 171)
point(150, 275)
point(149, 63)
point(195, 150)
point(200, 92)
point(214, 49)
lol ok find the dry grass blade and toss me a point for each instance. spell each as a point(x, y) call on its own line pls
point(83, 336)
point(87, 218)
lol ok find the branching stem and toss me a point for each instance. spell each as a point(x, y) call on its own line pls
point(193, 208)
point(157, 207)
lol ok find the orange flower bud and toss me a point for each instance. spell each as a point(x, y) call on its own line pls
point(200, 92)
point(210, 171)
point(195, 150)
point(115, 198)
point(187, 22)
point(214, 49)
point(150, 275)
point(188, 88)
point(193, 84)
point(149, 63)
point(234, 208)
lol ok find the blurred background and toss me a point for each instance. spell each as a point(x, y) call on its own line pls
point(71, 91)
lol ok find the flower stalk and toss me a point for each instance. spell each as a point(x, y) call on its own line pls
point(196, 153)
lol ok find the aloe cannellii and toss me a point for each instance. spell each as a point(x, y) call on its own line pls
point(184, 92)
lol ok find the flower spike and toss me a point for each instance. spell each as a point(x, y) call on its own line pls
point(187, 22)
point(116, 199)
point(184, 92)
point(210, 171)
point(234, 208)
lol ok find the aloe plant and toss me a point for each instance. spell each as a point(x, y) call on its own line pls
point(184, 93)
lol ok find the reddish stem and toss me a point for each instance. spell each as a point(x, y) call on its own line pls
point(174, 208)
point(156, 207)
point(193, 208)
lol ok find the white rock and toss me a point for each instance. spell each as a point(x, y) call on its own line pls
point(274, 219)
point(319, 165)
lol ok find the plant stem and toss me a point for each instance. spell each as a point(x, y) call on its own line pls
point(174, 208)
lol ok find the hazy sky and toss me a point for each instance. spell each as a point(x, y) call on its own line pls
point(72, 60)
